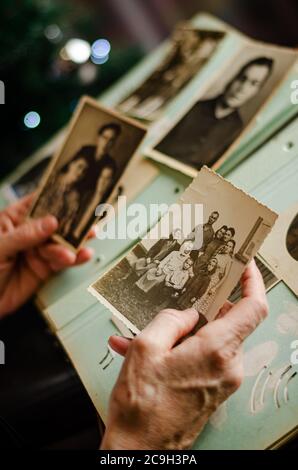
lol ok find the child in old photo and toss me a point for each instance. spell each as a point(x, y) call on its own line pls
point(171, 263)
point(198, 285)
point(63, 195)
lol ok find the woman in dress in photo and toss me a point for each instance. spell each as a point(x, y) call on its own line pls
point(224, 259)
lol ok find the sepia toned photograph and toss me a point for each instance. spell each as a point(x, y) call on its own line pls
point(94, 156)
point(215, 121)
point(178, 272)
point(189, 51)
point(280, 250)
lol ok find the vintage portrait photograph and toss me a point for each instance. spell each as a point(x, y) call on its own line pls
point(189, 50)
point(96, 151)
point(280, 249)
point(178, 272)
point(208, 129)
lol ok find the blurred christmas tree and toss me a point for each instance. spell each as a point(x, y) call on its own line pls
point(37, 78)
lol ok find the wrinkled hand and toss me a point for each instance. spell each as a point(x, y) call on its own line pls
point(166, 391)
point(27, 257)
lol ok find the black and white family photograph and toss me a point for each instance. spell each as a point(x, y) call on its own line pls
point(189, 50)
point(177, 272)
point(206, 131)
point(95, 153)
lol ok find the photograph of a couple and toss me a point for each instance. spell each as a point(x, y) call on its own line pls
point(94, 156)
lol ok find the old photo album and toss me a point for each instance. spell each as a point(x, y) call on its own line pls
point(194, 256)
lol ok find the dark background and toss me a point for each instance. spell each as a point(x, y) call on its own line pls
point(37, 79)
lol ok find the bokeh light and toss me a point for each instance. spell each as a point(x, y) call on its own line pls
point(32, 119)
point(87, 73)
point(100, 61)
point(77, 50)
point(63, 54)
point(100, 49)
point(53, 33)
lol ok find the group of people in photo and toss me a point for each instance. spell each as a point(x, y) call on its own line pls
point(185, 272)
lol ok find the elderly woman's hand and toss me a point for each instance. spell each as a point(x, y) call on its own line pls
point(168, 388)
point(27, 257)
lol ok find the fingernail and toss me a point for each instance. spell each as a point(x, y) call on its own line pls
point(192, 310)
point(49, 223)
point(90, 251)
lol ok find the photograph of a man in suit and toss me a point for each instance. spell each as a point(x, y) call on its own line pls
point(208, 233)
point(100, 175)
point(211, 126)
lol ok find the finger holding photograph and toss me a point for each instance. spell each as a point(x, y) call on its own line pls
point(190, 271)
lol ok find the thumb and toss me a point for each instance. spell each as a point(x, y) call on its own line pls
point(120, 344)
point(28, 235)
